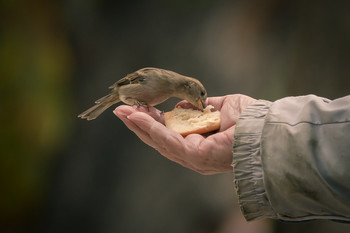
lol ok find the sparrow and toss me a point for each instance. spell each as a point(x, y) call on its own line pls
point(149, 87)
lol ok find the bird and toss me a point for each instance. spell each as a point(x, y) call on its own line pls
point(149, 87)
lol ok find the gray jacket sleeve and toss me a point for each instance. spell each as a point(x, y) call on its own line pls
point(292, 159)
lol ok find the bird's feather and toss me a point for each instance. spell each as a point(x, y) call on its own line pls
point(133, 78)
point(104, 98)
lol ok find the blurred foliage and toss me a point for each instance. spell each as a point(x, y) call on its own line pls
point(35, 71)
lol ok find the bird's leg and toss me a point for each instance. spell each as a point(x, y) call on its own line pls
point(138, 103)
point(141, 104)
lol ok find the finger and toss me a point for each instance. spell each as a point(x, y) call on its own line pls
point(153, 112)
point(123, 113)
point(216, 101)
point(186, 104)
point(123, 110)
point(161, 135)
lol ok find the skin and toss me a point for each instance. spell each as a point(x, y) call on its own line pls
point(205, 154)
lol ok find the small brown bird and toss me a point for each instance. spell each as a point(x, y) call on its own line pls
point(149, 87)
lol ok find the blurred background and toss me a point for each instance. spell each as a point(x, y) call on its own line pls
point(59, 173)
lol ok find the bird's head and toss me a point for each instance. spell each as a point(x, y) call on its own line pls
point(195, 93)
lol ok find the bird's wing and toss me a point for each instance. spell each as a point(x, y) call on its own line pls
point(132, 78)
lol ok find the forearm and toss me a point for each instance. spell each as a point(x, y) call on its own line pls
point(291, 159)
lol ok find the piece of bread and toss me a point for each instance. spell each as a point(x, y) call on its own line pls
point(189, 121)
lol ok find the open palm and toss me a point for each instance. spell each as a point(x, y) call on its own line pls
point(206, 154)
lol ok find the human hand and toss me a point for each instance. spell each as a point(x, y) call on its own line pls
point(205, 154)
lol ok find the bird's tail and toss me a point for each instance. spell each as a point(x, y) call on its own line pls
point(101, 105)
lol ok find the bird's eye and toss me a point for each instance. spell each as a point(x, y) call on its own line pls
point(202, 93)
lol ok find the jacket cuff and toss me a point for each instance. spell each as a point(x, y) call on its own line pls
point(247, 166)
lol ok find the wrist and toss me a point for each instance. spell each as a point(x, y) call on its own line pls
point(248, 172)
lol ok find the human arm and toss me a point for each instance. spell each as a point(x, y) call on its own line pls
point(292, 159)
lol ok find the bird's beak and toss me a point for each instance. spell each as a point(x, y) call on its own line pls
point(201, 104)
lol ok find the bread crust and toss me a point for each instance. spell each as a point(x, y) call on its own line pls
point(190, 121)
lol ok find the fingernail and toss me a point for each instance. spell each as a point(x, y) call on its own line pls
point(120, 113)
point(115, 111)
